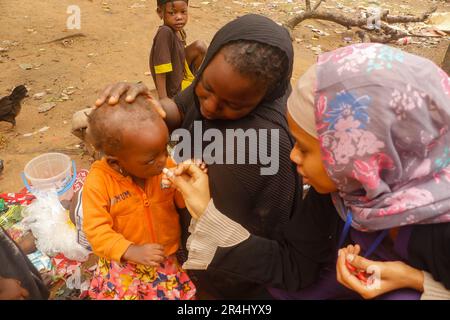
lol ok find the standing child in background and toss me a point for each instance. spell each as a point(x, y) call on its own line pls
point(129, 215)
point(172, 64)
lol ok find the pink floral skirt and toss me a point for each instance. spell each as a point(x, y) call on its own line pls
point(128, 281)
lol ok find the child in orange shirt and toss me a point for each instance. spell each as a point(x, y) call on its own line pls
point(130, 218)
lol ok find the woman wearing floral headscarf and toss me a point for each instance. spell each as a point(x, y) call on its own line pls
point(380, 120)
point(371, 125)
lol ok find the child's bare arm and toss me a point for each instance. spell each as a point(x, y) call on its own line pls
point(173, 115)
point(150, 254)
point(161, 85)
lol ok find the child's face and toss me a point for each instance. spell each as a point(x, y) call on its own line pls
point(145, 151)
point(306, 155)
point(174, 14)
point(224, 93)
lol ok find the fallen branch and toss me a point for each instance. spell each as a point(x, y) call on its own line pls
point(317, 5)
point(75, 35)
point(366, 37)
point(336, 17)
point(308, 5)
point(406, 19)
point(390, 33)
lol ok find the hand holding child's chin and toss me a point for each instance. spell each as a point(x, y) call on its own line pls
point(191, 180)
point(149, 254)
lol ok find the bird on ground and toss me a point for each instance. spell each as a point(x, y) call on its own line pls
point(10, 106)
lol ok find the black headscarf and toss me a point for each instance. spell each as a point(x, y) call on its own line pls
point(257, 28)
point(251, 27)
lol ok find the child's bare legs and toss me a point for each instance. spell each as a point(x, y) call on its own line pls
point(195, 53)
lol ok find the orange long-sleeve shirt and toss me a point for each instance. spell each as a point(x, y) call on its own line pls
point(118, 213)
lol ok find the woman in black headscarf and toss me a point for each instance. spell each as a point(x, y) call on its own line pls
point(243, 84)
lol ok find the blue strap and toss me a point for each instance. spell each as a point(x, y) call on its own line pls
point(346, 230)
point(25, 182)
point(376, 243)
point(72, 181)
point(61, 192)
point(348, 224)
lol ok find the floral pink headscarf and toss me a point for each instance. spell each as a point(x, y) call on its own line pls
point(382, 118)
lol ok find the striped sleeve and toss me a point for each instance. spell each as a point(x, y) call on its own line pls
point(212, 230)
point(433, 290)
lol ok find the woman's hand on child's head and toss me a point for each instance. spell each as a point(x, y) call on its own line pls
point(11, 289)
point(113, 92)
point(193, 183)
point(372, 278)
point(150, 254)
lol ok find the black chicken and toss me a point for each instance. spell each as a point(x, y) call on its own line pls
point(10, 105)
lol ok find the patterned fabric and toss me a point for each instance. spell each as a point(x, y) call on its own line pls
point(23, 198)
point(40, 261)
point(115, 281)
point(79, 181)
point(78, 187)
point(383, 118)
point(81, 236)
point(66, 271)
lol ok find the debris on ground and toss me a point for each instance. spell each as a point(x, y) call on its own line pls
point(46, 107)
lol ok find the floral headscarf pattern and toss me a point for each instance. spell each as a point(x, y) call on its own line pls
point(383, 117)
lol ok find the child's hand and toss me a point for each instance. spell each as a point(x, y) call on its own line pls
point(150, 254)
point(11, 289)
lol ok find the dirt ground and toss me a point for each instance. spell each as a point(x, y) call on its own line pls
point(114, 46)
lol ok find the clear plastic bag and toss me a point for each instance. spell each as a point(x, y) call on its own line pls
point(75, 281)
point(49, 222)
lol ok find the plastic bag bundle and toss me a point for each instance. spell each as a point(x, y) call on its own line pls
point(75, 282)
point(48, 221)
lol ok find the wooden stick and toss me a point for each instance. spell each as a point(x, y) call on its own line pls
point(390, 33)
point(308, 5)
point(317, 5)
point(75, 35)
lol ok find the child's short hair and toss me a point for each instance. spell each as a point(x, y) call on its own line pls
point(163, 2)
point(107, 123)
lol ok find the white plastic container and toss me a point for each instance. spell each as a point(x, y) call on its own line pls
point(51, 171)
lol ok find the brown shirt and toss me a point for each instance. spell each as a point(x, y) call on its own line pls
point(167, 56)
